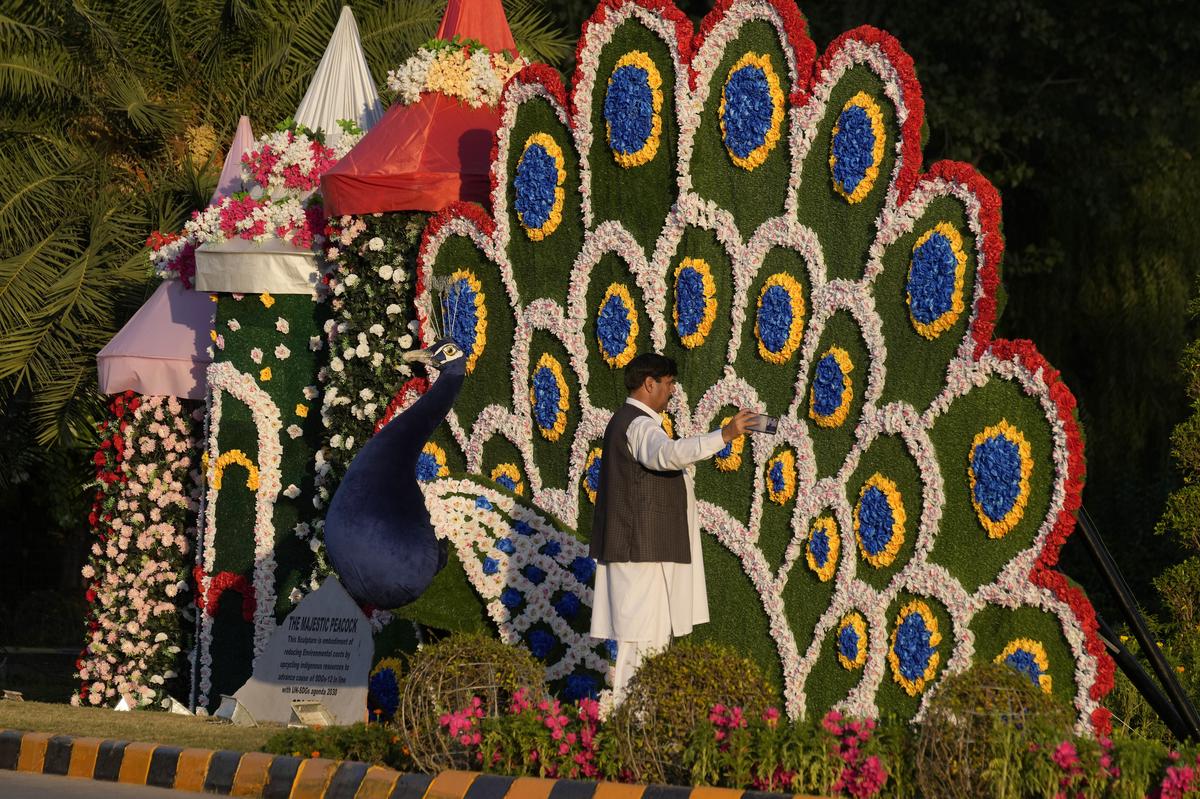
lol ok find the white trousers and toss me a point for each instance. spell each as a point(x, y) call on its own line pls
point(630, 655)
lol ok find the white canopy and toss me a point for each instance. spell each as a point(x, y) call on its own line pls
point(342, 87)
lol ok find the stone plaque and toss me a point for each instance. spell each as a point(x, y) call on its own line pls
point(321, 653)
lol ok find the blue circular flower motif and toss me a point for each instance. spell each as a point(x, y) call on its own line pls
point(852, 641)
point(591, 473)
point(999, 469)
point(465, 314)
point(541, 642)
point(431, 463)
point(751, 110)
point(824, 545)
point(856, 147)
point(383, 688)
point(538, 186)
point(695, 301)
point(779, 321)
point(781, 477)
point(832, 389)
point(913, 653)
point(633, 109)
point(617, 326)
point(550, 397)
point(934, 292)
point(879, 521)
point(509, 476)
point(1028, 657)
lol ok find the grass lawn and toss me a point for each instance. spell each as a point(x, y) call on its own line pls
point(142, 725)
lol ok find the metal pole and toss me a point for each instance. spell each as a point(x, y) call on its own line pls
point(1129, 609)
point(1142, 681)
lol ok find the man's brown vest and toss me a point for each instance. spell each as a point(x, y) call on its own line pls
point(641, 514)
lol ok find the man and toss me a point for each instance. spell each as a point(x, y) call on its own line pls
point(645, 537)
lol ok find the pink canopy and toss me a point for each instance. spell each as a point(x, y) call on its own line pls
point(422, 157)
point(230, 181)
point(163, 348)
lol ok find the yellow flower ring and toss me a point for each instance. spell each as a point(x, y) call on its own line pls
point(852, 641)
point(779, 320)
point(617, 326)
point(591, 473)
point(696, 298)
point(856, 147)
point(431, 463)
point(832, 389)
point(781, 477)
point(549, 397)
point(238, 457)
point(729, 459)
point(999, 468)
point(824, 546)
point(913, 653)
point(509, 476)
point(936, 273)
point(634, 137)
point(467, 324)
point(879, 521)
point(1029, 658)
point(748, 132)
point(539, 203)
point(667, 425)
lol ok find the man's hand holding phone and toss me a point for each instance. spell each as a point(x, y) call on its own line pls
point(738, 425)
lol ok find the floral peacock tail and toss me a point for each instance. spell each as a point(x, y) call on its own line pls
point(762, 215)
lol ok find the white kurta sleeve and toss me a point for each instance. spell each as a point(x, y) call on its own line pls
point(653, 448)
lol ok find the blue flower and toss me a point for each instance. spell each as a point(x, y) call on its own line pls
point(507, 482)
point(611, 646)
point(583, 569)
point(580, 686)
point(522, 527)
point(912, 646)
point(748, 110)
point(1025, 663)
point(551, 548)
point(997, 466)
point(506, 546)
point(533, 574)
point(546, 398)
point(931, 279)
point(629, 109)
point(613, 326)
point(511, 598)
point(592, 475)
point(775, 318)
point(427, 467)
point(690, 302)
point(483, 503)
point(541, 642)
point(776, 475)
point(536, 180)
point(567, 605)
point(875, 521)
point(461, 314)
point(853, 147)
point(384, 690)
point(490, 566)
point(828, 384)
point(818, 545)
point(848, 643)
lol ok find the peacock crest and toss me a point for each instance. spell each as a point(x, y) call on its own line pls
point(760, 214)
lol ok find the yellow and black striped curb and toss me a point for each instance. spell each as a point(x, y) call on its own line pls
point(260, 775)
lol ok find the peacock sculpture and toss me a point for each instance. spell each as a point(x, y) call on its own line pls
point(761, 214)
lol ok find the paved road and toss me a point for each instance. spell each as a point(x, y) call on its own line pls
point(18, 785)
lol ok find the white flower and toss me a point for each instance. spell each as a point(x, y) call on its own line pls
point(282, 353)
point(328, 326)
point(385, 272)
point(336, 364)
point(377, 359)
point(291, 492)
point(351, 281)
point(348, 353)
point(366, 394)
point(314, 544)
point(414, 326)
point(349, 442)
point(281, 325)
point(362, 350)
point(256, 355)
point(375, 244)
point(376, 329)
point(294, 431)
point(302, 530)
point(314, 343)
point(295, 596)
point(332, 253)
point(234, 325)
point(311, 392)
point(393, 309)
point(335, 441)
point(406, 341)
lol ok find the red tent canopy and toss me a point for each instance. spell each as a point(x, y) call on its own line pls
point(422, 157)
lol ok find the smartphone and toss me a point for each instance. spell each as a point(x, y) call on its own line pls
point(761, 423)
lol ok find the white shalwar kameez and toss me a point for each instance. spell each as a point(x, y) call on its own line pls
point(642, 605)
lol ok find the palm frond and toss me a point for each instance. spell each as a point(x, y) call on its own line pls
point(28, 77)
point(39, 181)
point(536, 33)
point(125, 94)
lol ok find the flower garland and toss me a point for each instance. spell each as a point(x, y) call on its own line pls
point(549, 397)
point(617, 326)
point(779, 322)
point(751, 110)
point(999, 468)
point(913, 653)
point(856, 148)
point(538, 186)
point(781, 477)
point(851, 642)
point(291, 161)
point(934, 290)
point(137, 572)
point(832, 389)
point(633, 109)
point(695, 307)
point(465, 70)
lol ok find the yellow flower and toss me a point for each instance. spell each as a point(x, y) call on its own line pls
point(547, 143)
point(786, 461)
point(733, 461)
point(856, 622)
point(758, 155)
point(1038, 652)
point(301, 410)
point(265, 374)
point(649, 148)
point(796, 327)
point(554, 432)
point(885, 556)
point(266, 299)
point(619, 359)
point(212, 334)
point(467, 277)
point(998, 528)
point(826, 570)
point(917, 685)
point(510, 471)
point(864, 186)
point(701, 267)
point(238, 457)
point(935, 328)
point(836, 417)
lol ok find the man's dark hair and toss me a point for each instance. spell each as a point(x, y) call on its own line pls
point(648, 364)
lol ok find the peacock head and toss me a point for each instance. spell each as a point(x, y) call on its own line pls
point(438, 355)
